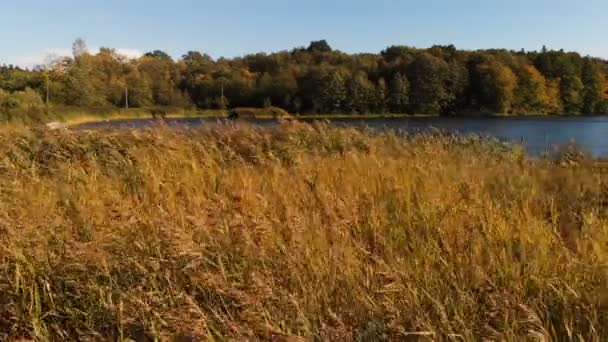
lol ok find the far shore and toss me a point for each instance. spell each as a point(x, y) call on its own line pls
point(140, 115)
point(143, 115)
point(85, 118)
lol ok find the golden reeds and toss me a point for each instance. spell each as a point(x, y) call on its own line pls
point(295, 232)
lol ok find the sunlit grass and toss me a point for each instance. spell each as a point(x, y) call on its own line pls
point(77, 118)
point(242, 233)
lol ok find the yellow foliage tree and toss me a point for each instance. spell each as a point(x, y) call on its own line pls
point(531, 91)
point(499, 84)
point(552, 100)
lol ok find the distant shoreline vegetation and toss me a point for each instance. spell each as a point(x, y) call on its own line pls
point(78, 116)
point(316, 81)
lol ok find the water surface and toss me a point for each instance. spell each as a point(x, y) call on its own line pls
point(538, 134)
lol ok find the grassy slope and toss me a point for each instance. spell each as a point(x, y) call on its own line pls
point(245, 233)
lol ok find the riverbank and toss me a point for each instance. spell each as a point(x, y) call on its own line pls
point(295, 232)
point(121, 115)
point(73, 116)
point(218, 114)
point(73, 120)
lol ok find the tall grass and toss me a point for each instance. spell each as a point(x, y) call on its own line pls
point(40, 114)
point(295, 232)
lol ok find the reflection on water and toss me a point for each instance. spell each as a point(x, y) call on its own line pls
point(536, 133)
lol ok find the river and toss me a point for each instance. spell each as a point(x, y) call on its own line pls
point(538, 134)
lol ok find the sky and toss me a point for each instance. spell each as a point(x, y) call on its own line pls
point(32, 29)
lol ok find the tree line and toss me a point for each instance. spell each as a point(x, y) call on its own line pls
point(320, 80)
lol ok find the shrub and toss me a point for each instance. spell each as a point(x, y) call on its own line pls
point(23, 106)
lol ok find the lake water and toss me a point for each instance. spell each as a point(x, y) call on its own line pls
point(537, 133)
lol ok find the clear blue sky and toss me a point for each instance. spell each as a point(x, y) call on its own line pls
point(31, 28)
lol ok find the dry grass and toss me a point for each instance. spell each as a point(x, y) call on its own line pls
point(295, 233)
point(75, 118)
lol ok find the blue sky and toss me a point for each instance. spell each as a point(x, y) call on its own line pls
point(31, 29)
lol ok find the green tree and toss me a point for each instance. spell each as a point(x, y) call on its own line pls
point(498, 86)
point(428, 76)
point(333, 93)
point(456, 85)
point(531, 93)
point(163, 76)
point(264, 89)
point(398, 100)
point(197, 63)
point(16, 79)
point(380, 99)
point(398, 54)
point(79, 90)
point(158, 54)
point(359, 94)
point(319, 46)
point(592, 83)
point(284, 90)
point(310, 90)
point(571, 90)
point(139, 91)
point(604, 104)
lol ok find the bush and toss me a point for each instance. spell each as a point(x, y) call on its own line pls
point(23, 106)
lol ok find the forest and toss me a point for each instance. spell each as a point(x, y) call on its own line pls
point(317, 79)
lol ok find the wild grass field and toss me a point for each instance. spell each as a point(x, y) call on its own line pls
point(293, 233)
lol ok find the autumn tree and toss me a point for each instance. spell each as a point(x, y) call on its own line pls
point(316, 79)
point(498, 86)
point(163, 77)
point(532, 96)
